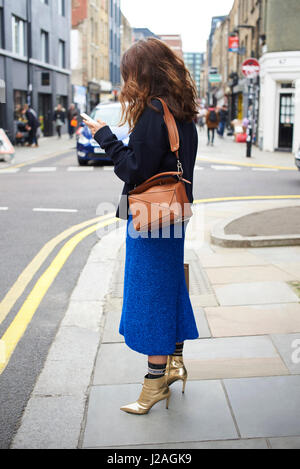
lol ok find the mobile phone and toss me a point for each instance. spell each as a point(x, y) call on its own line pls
point(87, 118)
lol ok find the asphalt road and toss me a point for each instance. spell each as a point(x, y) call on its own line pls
point(53, 184)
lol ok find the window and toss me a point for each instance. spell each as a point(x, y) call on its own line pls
point(61, 7)
point(61, 54)
point(18, 33)
point(1, 29)
point(44, 46)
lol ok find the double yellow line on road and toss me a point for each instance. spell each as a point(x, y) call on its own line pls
point(22, 319)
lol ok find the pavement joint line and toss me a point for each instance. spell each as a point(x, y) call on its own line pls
point(231, 409)
point(30, 270)
point(240, 163)
point(18, 326)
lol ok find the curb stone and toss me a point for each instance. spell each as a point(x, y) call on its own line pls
point(220, 238)
point(61, 391)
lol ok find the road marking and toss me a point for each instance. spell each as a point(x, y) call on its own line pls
point(3, 208)
point(26, 276)
point(54, 210)
point(41, 158)
point(80, 168)
point(225, 168)
point(254, 197)
point(9, 170)
point(199, 168)
point(249, 165)
point(24, 316)
point(265, 169)
point(108, 168)
point(42, 169)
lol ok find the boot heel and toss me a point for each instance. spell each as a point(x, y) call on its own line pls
point(183, 385)
point(167, 401)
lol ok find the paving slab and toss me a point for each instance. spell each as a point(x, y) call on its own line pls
point(232, 357)
point(203, 300)
point(292, 268)
point(255, 293)
point(117, 363)
point(200, 414)
point(255, 443)
point(277, 255)
point(230, 321)
point(111, 329)
point(47, 417)
point(288, 345)
point(266, 407)
point(265, 273)
point(201, 322)
point(234, 259)
point(285, 443)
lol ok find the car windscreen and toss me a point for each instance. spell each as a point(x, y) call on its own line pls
point(110, 115)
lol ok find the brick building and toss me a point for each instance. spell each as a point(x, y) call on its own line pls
point(90, 52)
point(174, 41)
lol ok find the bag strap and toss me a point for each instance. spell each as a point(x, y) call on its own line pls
point(168, 173)
point(172, 128)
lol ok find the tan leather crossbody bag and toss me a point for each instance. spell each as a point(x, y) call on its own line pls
point(161, 200)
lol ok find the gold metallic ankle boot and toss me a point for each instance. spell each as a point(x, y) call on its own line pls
point(154, 390)
point(176, 370)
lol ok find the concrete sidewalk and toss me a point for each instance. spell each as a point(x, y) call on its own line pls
point(227, 150)
point(48, 146)
point(244, 370)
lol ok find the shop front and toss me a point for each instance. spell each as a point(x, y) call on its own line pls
point(279, 127)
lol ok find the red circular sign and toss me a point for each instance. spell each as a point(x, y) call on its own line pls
point(251, 68)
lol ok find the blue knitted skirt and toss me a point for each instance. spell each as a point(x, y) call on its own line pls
point(157, 311)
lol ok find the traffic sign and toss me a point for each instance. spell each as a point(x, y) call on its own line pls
point(251, 68)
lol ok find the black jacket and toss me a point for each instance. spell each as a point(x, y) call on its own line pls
point(59, 115)
point(149, 153)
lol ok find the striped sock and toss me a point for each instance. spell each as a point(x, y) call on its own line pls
point(156, 371)
point(179, 350)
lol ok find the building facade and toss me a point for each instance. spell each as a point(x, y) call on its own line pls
point(194, 62)
point(34, 59)
point(90, 53)
point(174, 41)
point(142, 33)
point(279, 125)
point(126, 34)
point(114, 43)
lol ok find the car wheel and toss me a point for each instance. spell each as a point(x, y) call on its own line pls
point(82, 162)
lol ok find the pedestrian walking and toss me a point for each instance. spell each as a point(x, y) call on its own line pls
point(157, 315)
point(212, 122)
point(32, 125)
point(72, 119)
point(223, 120)
point(59, 119)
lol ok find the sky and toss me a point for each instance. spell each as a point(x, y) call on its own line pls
point(190, 18)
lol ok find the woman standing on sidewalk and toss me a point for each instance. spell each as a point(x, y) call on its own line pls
point(157, 315)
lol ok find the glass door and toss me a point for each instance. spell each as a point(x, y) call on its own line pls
point(286, 121)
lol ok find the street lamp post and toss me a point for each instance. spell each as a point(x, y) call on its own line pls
point(29, 51)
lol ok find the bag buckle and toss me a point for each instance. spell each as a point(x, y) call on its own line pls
point(180, 168)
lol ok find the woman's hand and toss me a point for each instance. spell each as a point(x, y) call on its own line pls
point(94, 127)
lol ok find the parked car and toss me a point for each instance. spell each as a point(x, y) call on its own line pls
point(87, 147)
point(297, 160)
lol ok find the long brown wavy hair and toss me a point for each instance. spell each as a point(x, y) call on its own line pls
point(151, 69)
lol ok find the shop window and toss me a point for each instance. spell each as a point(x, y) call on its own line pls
point(18, 36)
point(19, 101)
point(1, 29)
